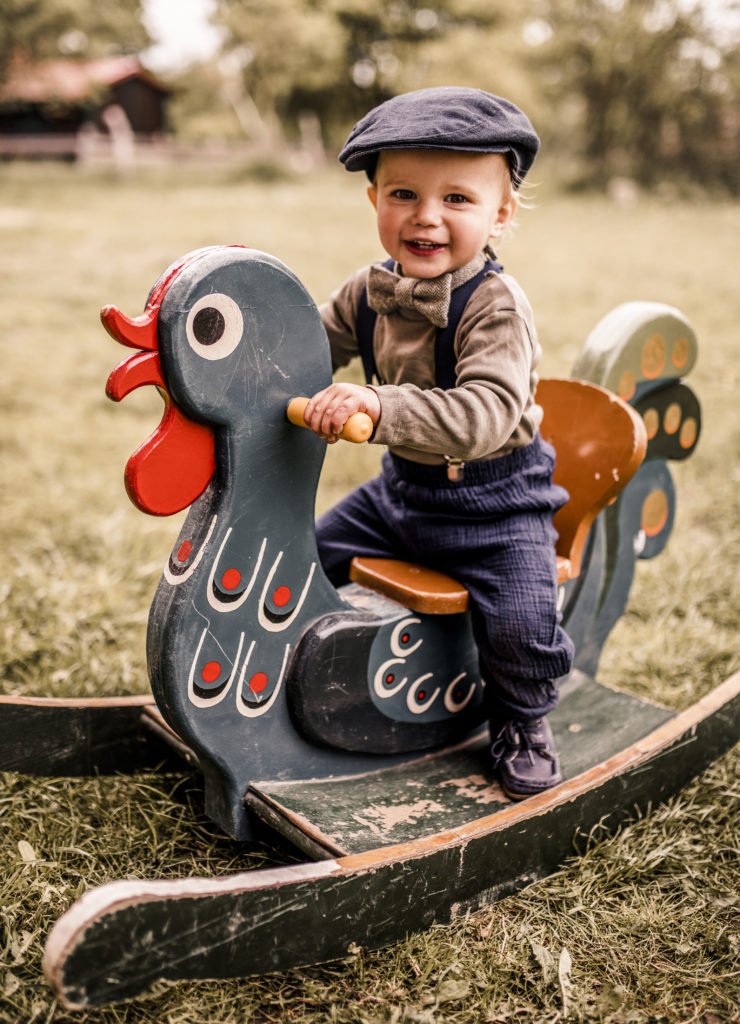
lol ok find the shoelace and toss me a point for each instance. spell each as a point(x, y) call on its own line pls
point(514, 737)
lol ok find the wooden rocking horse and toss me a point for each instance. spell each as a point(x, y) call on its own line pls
point(349, 720)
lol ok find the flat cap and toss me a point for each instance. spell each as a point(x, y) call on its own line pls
point(448, 117)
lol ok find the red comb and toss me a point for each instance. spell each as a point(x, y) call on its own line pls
point(139, 332)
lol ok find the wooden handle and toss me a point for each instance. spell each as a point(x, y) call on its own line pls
point(357, 429)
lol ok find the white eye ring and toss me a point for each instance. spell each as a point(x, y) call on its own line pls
point(215, 326)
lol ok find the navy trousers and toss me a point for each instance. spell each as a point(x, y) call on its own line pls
point(493, 532)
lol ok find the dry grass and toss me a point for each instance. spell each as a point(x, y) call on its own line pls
point(649, 919)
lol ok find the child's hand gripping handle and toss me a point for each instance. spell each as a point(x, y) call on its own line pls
point(357, 429)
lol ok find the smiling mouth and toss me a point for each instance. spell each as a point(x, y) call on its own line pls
point(421, 248)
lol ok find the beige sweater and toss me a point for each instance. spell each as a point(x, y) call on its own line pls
point(489, 413)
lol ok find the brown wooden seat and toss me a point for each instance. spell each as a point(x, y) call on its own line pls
point(600, 442)
point(415, 586)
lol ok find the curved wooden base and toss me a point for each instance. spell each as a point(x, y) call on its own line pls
point(119, 939)
point(73, 736)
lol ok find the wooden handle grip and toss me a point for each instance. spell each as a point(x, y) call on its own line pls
point(357, 429)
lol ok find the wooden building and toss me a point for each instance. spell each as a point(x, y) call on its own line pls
point(49, 103)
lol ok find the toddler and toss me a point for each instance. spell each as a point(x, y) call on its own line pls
point(450, 353)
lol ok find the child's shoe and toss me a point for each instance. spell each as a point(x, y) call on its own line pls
point(524, 756)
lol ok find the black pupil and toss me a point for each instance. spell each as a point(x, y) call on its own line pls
point(208, 325)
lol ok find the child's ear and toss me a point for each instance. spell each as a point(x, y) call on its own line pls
point(504, 215)
point(372, 194)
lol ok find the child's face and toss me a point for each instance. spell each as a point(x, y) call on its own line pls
point(436, 210)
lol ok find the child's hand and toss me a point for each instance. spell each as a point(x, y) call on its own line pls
point(328, 410)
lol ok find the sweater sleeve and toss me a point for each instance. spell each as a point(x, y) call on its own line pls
point(338, 317)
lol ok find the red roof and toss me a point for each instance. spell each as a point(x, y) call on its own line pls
point(70, 79)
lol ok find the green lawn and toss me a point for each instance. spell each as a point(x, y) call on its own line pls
point(649, 918)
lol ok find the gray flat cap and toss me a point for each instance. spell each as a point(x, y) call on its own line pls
point(448, 117)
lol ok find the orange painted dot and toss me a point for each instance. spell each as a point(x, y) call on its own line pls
point(652, 361)
point(652, 422)
point(627, 385)
point(680, 353)
point(672, 418)
point(689, 432)
point(184, 551)
point(654, 514)
point(231, 579)
point(281, 596)
point(211, 672)
point(258, 682)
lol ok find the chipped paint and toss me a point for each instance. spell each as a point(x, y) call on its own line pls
point(478, 788)
point(381, 819)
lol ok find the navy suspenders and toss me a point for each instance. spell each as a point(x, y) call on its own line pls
point(444, 345)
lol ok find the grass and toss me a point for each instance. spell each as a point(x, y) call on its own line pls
point(648, 919)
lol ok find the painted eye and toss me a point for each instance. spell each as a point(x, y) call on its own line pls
point(215, 325)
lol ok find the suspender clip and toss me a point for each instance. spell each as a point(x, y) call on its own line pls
point(455, 469)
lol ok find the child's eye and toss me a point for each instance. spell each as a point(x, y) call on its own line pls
point(403, 193)
point(456, 197)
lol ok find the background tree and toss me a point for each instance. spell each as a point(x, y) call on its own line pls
point(274, 50)
point(643, 88)
point(337, 59)
point(647, 89)
point(48, 28)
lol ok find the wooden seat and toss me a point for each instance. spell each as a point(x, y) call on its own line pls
point(600, 442)
point(415, 586)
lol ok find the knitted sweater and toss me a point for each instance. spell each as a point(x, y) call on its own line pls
point(491, 410)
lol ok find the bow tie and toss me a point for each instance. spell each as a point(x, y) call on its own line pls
point(387, 292)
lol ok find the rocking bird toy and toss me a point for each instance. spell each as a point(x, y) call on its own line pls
point(348, 720)
point(245, 628)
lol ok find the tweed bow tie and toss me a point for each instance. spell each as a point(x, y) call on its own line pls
point(387, 292)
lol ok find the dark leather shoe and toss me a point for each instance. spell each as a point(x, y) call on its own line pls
point(524, 757)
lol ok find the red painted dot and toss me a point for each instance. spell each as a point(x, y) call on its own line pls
point(281, 596)
point(405, 638)
point(211, 672)
point(258, 682)
point(389, 678)
point(421, 695)
point(231, 579)
point(184, 551)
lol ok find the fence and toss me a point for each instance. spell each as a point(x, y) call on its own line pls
point(88, 148)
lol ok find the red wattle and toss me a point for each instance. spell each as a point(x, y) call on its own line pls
point(173, 467)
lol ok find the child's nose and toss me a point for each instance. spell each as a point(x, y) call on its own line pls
point(427, 213)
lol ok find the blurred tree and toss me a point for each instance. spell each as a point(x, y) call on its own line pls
point(337, 58)
point(640, 88)
point(274, 49)
point(647, 89)
point(492, 57)
point(198, 109)
point(50, 28)
point(386, 43)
